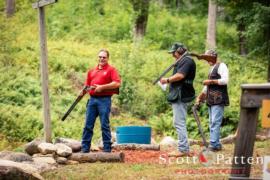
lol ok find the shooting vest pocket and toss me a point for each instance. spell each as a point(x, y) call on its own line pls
point(215, 97)
point(174, 94)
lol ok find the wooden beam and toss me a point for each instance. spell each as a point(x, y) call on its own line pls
point(252, 98)
point(256, 86)
point(43, 3)
point(44, 75)
point(251, 101)
point(245, 140)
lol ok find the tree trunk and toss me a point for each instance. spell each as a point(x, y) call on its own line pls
point(177, 4)
point(268, 74)
point(211, 28)
point(242, 39)
point(100, 156)
point(160, 2)
point(10, 8)
point(141, 8)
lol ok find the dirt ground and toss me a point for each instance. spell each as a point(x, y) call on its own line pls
point(139, 164)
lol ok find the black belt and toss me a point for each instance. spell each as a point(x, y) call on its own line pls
point(101, 96)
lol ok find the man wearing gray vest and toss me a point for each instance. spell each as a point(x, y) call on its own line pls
point(180, 93)
point(216, 95)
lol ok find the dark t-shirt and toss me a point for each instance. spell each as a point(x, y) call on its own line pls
point(187, 67)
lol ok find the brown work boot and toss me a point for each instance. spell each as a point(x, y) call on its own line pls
point(180, 154)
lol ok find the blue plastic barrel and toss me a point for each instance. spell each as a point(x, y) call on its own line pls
point(133, 134)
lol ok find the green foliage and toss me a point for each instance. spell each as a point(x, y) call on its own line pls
point(76, 31)
point(163, 124)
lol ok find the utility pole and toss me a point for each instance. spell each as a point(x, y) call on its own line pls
point(44, 66)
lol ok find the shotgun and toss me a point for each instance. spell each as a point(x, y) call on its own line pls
point(80, 96)
point(206, 57)
point(194, 110)
point(77, 100)
point(169, 68)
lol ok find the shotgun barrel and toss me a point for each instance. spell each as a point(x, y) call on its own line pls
point(169, 68)
point(194, 110)
point(77, 100)
point(80, 96)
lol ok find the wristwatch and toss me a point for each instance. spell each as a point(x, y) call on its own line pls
point(168, 80)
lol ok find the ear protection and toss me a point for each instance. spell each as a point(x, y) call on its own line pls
point(181, 50)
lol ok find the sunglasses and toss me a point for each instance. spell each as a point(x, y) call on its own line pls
point(102, 57)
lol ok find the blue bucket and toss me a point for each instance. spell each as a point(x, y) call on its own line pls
point(133, 134)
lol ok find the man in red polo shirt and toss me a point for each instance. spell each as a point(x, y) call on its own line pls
point(104, 81)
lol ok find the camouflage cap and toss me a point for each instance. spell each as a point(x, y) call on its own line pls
point(176, 46)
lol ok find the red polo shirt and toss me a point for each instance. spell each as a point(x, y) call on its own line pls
point(105, 75)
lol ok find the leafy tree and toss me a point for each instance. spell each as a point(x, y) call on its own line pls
point(253, 24)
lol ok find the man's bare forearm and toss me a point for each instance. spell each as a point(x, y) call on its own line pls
point(112, 85)
point(176, 77)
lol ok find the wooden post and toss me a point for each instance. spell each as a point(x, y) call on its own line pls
point(251, 101)
point(44, 67)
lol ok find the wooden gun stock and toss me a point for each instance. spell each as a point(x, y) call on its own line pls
point(208, 58)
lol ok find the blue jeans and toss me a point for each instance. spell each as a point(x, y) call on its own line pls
point(179, 122)
point(215, 120)
point(97, 106)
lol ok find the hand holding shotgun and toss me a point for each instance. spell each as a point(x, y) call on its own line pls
point(82, 93)
point(169, 68)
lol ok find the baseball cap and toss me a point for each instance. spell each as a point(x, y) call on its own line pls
point(211, 52)
point(175, 46)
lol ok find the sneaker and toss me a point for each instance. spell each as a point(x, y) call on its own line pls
point(107, 151)
point(180, 154)
point(215, 149)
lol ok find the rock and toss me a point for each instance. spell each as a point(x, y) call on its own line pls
point(73, 144)
point(15, 156)
point(48, 160)
point(168, 141)
point(61, 160)
point(32, 147)
point(70, 162)
point(46, 148)
point(15, 170)
point(43, 155)
point(63, 150)
point(41, 166)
